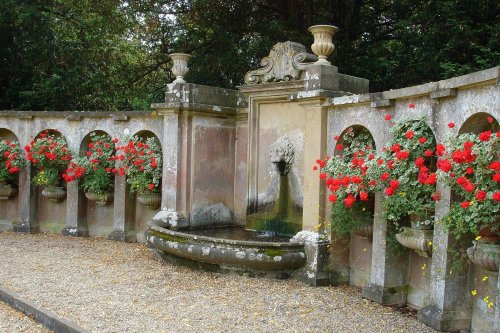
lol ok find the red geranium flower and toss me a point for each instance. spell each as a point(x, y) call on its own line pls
point(451, 125)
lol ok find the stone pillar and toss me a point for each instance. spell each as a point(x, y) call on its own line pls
point(450, 301)
point(75, 212)
point(27, 203)
point(170, 149)
point(496, 326)
point(388, 280)
point(123, 212)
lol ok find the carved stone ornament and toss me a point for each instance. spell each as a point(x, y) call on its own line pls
point(417, 240)
point(282, 154)
point(285, 62)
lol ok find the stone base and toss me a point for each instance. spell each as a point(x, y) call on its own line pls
point(22, 227)
point(75, 232)
point(313, 278)
point(444, 320)
point(122, 236)
point(385, 296)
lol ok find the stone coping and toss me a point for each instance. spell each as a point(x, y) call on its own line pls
point(199, 238)
point(439, 89)
point(48, 318)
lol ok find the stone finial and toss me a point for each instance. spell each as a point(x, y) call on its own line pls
point(180, 68)
point(323, 45)
point(285, 62)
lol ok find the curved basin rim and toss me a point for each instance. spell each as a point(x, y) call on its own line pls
point(155, 227)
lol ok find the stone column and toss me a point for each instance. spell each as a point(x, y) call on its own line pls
point(450, 301)
point(388, 279)
point(75, 212)
point(170, 149)
point(27, 203)
point(123, 212)
point(321, 80)
point(496, 326)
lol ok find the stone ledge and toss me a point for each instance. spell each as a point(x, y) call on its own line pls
point(48, 318)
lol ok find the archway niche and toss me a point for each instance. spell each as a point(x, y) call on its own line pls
point(9, 207)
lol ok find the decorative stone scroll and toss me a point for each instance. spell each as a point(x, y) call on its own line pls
point(285, 62)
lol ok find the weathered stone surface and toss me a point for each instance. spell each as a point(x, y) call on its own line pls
point(285, 62)
point(210, 215)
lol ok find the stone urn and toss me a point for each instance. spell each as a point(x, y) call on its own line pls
point(323, 45)
point(485, 255)
point(54, 193)
point(364, 230)
point(419, 240)
point(7, 191)
point(151, 200)
point(180, 68)
point(100, 199)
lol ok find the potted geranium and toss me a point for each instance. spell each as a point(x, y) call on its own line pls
point(351, 190)
point(470, 165)
point(49, 154)
point(95, 169)
point(406, 175)
point(11, 161)
point(140, 160)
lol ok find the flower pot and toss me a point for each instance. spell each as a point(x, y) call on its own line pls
point(7, 191)
point(489, 236)
point(54, 193)
point(416, 239)
point(485, 255)
point(151, 200)
point(365, 230)
point(100, 199)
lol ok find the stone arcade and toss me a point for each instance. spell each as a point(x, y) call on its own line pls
point(216, 170)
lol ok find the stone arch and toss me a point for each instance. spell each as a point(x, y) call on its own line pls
point(357, 130)
point(478, 123)
point(6, 133)
point(86, 140)
point(146, 134)
point(10, 208)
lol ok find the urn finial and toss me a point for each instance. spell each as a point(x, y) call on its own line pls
point(323, 45)
point(180, 68)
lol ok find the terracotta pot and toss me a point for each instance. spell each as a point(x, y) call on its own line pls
point(100, 199)
point(151, 200)
point(7, 191)
point(488, 236)
point(54, 193)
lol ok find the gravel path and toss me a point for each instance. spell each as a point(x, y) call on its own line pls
point(13, 321)
point(107, 286)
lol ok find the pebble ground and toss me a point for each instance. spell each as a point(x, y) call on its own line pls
point(107, 286)
point(13, 321)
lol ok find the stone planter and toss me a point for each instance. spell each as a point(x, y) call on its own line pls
point(417, 240)
point(365, 230)
point(7, 191)
point(180, 68)
point(54, 193)
point(485, 255)
point(151, 200)
point(100, 199)
point(323, 46)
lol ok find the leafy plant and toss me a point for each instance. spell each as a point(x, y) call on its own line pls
point(345, 175)
point(95, 169)
point(470, 165)
point(11, 160)
point(49, 154)
point(405, 172)
point(140, 159)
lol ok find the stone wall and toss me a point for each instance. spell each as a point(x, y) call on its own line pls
point(216, 162)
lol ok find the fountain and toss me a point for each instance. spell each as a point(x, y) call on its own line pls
point(244, 221)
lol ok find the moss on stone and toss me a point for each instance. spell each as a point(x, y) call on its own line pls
point(167, 237)
point(272, 252)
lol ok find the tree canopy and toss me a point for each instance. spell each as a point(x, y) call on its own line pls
point(113, 54)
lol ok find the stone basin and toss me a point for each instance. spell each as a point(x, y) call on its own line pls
point(278, 259)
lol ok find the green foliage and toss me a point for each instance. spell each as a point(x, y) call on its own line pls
point(473, 175)
point(113, 54)
point(11, 161)
point(47, 177)
point(346, 220)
